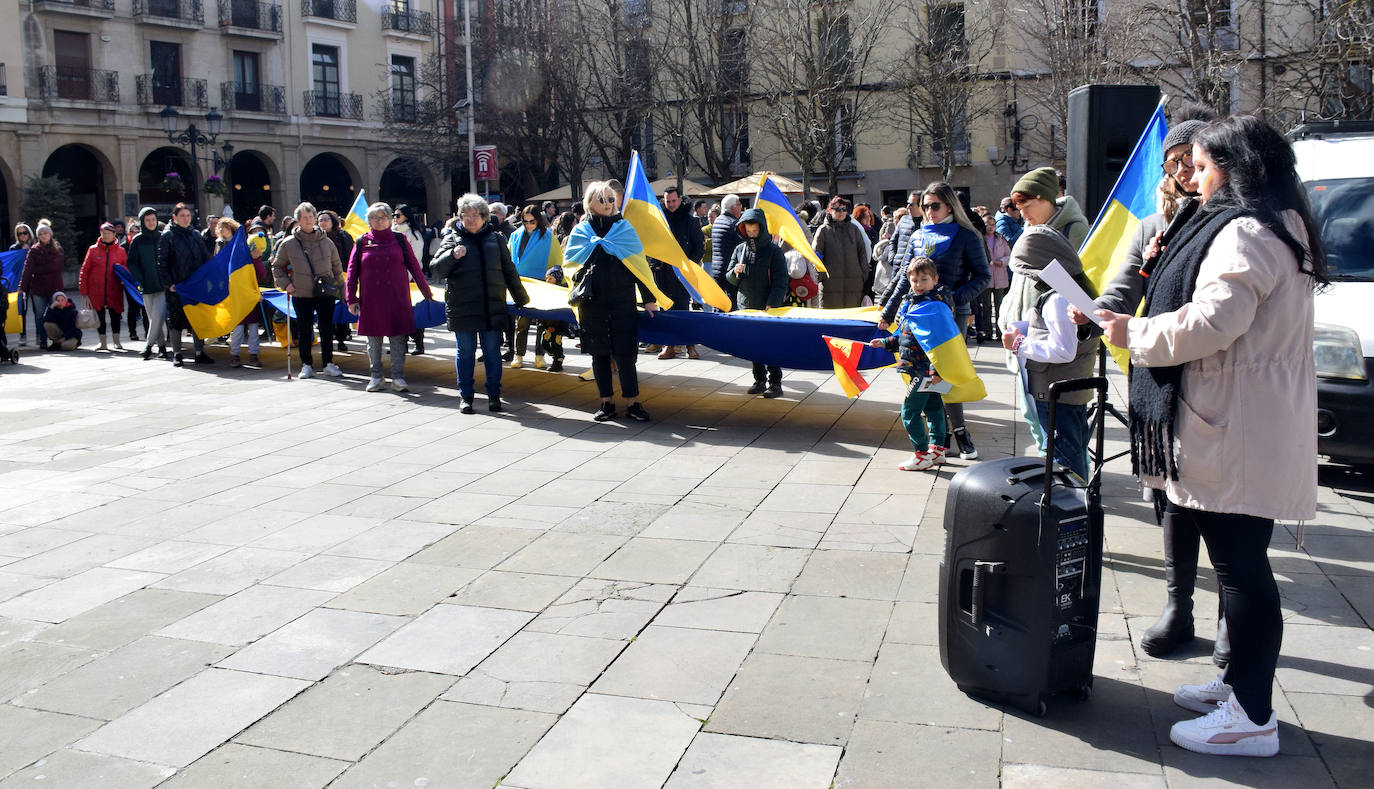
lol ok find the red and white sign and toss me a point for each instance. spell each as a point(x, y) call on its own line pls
point(484, 162)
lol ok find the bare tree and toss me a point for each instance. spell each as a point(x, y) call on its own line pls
point(424, 129)
point(821, 76)
point(1322, 60)
point(943, 89)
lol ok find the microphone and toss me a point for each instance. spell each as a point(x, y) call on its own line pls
point(1185, 212)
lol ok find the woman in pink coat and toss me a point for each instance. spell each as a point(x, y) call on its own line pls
point(377, 288)
point(101, 286)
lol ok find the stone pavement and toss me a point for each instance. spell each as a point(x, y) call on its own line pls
point(219, 578)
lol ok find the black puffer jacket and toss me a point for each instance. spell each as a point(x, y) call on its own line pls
point(609, 319)
point(764, 283)
point(180, 251)
point(477, 281)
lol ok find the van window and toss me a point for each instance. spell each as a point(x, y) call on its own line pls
point(1344, 208)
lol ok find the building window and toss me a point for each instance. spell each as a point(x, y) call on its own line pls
point(324, 64)
point(832, 31)
point(1082, 18)
point(166, 62)
point(1209, 14)
point(734, 59)
point(636, 13)
point(73, 61)
point(403, 89)
point(642, 140)
point(735, 133)
point(946, 24)
point(247, 82)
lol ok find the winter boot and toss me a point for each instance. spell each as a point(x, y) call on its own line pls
point(1174, 627)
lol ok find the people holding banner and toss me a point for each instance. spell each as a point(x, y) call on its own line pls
point(42, 277)
point(101, 286)
point(307, 268)
point(1223, 402)
point(377, 290)
point(601, 247)
point(180, 253)
point(478, 270)
point(534, 251)
point(142, 257)
point(687, 233)
point(758, 271)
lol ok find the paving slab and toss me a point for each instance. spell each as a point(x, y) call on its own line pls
point(112, 685)
point(75, 768)
point(26, 665)
point(890, 755)
point(242, 765)
point(862, 574)
point(448, 639)
point(677, 664)
point(608, 741)
point(909, 686)
point(704, 608)
point(392, 541)
point(407, 589)
point(561, 553)
point(348, 714)
point(462, 746)
point(826, 627)
point(1038, 776)
point(328, 573)
point(792, 698)
point(232, 572)
point(720, 761)
point(130, 617)
point(64, 599)
point(31, 735)
point(758, 568)
point(603, 609)
point(549, 657)
point(315, 644)
point(654, 560)
point(477, 546)
point(173, 728)
point(247, 616)
point(169, 557)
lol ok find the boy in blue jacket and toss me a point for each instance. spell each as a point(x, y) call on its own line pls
point(921, 404)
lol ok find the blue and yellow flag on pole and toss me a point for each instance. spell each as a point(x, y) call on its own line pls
point(1132, 199)
point(642, 211)
point(355, 224)
point(222, 291)
point(783, 221)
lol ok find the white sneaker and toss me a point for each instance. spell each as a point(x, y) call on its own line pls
point(1227, 731)
point(307, 371)
point(1202, 698)
point(517, 363)
point(332, 370)
point(399, 385)
point(375, 385)
point(539, 362)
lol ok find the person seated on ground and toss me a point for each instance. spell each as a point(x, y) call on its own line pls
point(59, 323)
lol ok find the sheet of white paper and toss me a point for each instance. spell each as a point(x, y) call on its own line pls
point(943, 387)
point(1056, 277)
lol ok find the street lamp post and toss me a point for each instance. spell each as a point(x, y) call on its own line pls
point(192, 137)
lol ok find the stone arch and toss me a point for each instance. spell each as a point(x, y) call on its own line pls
point(153, 169)
point(330, 181)
point(90, 173)
point(406, 180)
point(254, 181)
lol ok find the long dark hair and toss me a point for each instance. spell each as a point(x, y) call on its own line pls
point(541, 222)
point(335, 224)
point(1261, 179)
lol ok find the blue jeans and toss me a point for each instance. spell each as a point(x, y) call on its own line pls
point(465, 361)
point(1070, 435)
point(39, 305)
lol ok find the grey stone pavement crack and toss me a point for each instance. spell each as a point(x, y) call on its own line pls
point(216, 577)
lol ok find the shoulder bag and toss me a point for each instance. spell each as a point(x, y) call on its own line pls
point(326, 287)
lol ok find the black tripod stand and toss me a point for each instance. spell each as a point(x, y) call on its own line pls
point(1101, 409)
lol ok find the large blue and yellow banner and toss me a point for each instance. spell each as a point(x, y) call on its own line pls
point(222, 291)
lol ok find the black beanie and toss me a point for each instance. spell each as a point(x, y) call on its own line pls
point(1183, 133)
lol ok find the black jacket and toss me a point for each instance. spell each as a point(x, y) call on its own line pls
point(475, 290)
point(609, 319)
point(180, 251)
point(723, 242)
point(687, 231)
point(763, 285)
point(143, 259)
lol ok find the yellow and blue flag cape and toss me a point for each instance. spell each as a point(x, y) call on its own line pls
point(11, 269)
point(620, 241)
point(642, 211)
point(542, 253)
point(355, 224)
point(783, 221)
point(221, 292)
point(933, 325)
point(1132, 199)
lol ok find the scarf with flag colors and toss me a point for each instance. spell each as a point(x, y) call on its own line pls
point(355, 224)
point(541, 253)
point(642, 211)
point(1133, 198)
point(221, 292)
point(11, 269)
point(933, 325)
point(621, 242)
point(783, 221)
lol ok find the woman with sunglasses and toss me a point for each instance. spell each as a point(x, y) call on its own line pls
point(42, 277)
point(601, 252)
point(948, 237)
point(404, 223)
point(844, 249)
point(535, 251)
point(23, 239)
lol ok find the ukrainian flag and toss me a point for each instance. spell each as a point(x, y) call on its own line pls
point(1131, 200)
point(933, 325)
point(355, 224)
point(783, 221)
point(11, 269)
point(641, 210)
point(222, 291)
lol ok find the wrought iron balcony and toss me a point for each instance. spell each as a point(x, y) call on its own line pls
point(97, 8)
point(250, 15)
point(400, 111)
point(337, 10)
point(407, 21)
point(323, 104)
point(171, 93)
point(241, 97)
point(60, 82)
point(178, 13)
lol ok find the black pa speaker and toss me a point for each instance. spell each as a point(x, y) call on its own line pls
point(1105, 121)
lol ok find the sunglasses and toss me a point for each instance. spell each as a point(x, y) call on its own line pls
point(606, 200)
point(531, 221)
point(1171, 166)
point(934, 205)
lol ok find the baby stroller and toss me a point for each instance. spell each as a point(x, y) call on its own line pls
point(7, 354)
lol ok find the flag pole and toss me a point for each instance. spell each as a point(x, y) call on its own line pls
point(288, 336)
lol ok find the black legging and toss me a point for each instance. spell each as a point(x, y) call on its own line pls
point(629, 379)
point(1238, 546)
point(113, 321)
point(307, 309)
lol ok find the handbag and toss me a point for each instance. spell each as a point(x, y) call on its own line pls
point(86, 317)
point(581, 292)
point(325, 287)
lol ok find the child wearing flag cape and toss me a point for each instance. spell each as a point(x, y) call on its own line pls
point(923, 403)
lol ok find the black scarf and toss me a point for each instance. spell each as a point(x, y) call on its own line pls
point(1154, 390)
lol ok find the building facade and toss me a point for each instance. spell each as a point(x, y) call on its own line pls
point(302, 90)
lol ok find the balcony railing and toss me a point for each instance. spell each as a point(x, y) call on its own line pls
point(60, 82)
point(322, 104)
point(240, 97)
point(337, 10)
point(82, 7)
point(250, 15)
point(407, 21)
point(189, 11)
point(174, 93)
point(400, 111)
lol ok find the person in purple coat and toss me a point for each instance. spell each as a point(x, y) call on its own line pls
point(377, 290)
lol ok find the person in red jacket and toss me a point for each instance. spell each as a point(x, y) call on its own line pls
point(101, 286)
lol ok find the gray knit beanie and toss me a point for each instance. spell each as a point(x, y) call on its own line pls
point(1183, 133)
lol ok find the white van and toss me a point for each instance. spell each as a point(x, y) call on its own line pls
point(1336, 161)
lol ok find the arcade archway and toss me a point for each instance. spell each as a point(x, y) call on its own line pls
point(252, 182)
point(403, 183)
point(328, 181)
point(156, 189)
point(87, 172)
